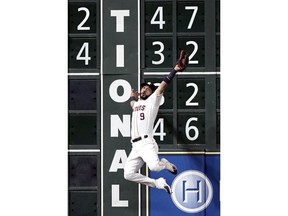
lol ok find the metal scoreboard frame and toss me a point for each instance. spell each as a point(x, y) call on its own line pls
point(113, 46)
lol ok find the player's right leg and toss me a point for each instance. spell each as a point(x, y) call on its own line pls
point(169, 166)
point(150, 157)
point(162, 184)
point(131, 168)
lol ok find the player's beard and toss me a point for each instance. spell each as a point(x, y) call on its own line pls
point(144, 97)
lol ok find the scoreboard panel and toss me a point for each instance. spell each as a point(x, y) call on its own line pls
point(84, 102)
point(113, 46)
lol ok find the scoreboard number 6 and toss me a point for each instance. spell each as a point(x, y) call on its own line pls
point(160, 124)
point(188, 128)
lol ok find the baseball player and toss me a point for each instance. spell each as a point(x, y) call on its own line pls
point(145, 107)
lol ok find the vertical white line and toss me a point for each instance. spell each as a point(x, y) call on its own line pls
point(119, 55)
point(139, 39)
point(101, 77)
point(139, 4)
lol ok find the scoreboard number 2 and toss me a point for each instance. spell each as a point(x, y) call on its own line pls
point(193, 52)
point(189, 101)
point(80, 26)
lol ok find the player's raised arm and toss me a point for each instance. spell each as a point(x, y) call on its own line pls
point(134, 97)
point(180, 66)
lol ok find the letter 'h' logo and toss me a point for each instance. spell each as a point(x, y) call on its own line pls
point(192, 191)
point(198, 191)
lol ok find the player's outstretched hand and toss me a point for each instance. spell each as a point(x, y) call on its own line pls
point(134, 94)
point(182, 61)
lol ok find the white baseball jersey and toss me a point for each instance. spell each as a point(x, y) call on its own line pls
point(144, 115)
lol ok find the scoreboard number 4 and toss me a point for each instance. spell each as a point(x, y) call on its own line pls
point(86, 57)
point(160, 21)
point(188, 127)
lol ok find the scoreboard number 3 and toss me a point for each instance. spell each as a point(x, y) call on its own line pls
point(159, 52)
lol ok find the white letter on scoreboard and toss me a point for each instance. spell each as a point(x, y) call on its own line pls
point(116, 124)
point(119, 160)
point(120, 56)
point(115, 198)
point(113, 90)
point(119, 14)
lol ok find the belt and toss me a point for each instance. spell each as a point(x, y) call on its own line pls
point(139, 138)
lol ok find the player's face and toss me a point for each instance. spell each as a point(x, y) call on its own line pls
point(146, 91)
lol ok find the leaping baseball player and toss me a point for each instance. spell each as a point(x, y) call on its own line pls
point(145, 107)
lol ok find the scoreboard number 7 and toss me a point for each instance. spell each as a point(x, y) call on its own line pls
point(195, 9)
point(161, 22)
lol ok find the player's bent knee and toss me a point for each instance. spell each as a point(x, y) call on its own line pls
point(128, 176)
point(155, 168)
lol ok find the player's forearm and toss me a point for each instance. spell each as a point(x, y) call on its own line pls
point(170, 76)
point(166, 81)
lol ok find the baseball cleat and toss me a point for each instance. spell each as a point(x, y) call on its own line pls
point(169, 166)
point(162, 184)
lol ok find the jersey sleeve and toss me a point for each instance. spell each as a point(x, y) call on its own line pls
point(156, 100)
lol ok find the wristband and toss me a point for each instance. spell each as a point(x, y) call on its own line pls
point(168, 78)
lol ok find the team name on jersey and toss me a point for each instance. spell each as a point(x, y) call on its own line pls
point(140, 107)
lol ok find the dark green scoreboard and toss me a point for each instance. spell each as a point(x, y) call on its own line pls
point(113, 46)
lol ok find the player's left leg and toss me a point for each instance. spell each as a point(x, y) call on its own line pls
point(131, 168)
point(150, 156)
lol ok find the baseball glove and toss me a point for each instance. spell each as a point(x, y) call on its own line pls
point(182, 61)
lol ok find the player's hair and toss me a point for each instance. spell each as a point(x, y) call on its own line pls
point(149, 84)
